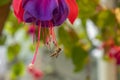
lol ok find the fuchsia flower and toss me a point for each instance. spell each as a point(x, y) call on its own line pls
point(45, 14)
point(112, 50)
point(43, 11)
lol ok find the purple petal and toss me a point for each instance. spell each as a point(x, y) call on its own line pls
point(60, 14)
point(28, 17)
point(40, 9)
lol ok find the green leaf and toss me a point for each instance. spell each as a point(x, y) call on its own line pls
point(68, 38)
point(87, 8)
point(3, 2)
point(104, 18)
point(13, 51)
point(2, 39)
point(79, 56)
point(18, 69)
point(72, 49)
point(64, 37)
point(12, 25)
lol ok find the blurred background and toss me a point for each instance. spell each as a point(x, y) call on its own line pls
point(91, 46)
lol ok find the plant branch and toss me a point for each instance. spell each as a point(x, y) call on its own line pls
point(4, 12)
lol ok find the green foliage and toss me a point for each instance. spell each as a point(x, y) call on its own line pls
point(72, 48)
point(68, 38)
point(3, 2)
point(12, 51)
point(87, 8)
point(104, 18)
point(79, 56)
point(2, 39)
point(17, 70)
point(12, 25)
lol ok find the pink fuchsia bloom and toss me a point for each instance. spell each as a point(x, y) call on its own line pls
point(114, 52)
point(45, 14)
point(43, 11)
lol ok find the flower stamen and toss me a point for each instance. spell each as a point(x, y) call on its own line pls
point(37, 46)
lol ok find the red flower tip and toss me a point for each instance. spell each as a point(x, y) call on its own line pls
point(37, 73)
point(18, 10)
point(73, 8)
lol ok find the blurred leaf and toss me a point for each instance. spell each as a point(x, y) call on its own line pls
point(13, 51)
point(104, 18)
point(68, 38)
point(106, 58)
point(70, 41)
point(18, 69)
point(13, 77)
point(3, 2)
point(4, 12)
point(12, 25)
point(2, 39)
point(79, 56)
point(31, 48)
point(87, 8)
